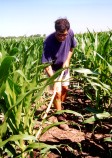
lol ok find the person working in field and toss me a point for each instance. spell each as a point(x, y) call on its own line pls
point(58, 50)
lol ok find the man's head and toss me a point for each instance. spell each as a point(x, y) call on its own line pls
point(62, 26)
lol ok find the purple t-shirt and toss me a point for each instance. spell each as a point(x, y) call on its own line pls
point(56, 52)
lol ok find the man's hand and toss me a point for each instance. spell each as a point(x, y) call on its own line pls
point(66, 64)
point(49, 71)
point(67, 61)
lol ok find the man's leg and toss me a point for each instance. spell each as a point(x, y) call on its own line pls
point(61, 93)
point(57, 101)
point(64, 93)
point(60, 97)
point(65, 85)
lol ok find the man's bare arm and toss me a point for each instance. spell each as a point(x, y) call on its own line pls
point(67, 62)
point(49, 71)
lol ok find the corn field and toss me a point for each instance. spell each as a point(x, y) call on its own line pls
point(23, 87)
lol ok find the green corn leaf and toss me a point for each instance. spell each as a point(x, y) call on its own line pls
point(3, 129)
point(9, 93)
point(18, 115)
point(91, 36)
point(13, 51)
point(110, 67)
point(22, 74)
point(40, 146)
point(108, 139)
point(70, 112)
point(97, 117)
point(10, 148)
point(83, 70)
point(50, 126)
point(17, 137)
point(4, 68)
point(2, 89)
point(92, 110)
point(22, 96)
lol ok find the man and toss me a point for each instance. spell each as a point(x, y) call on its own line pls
point(58, 50)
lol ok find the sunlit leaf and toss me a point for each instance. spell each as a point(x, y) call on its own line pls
point(97, 117)
point(108, 139)
point(17, 137)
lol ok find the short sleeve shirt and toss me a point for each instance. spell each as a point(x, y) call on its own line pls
point(56, 52)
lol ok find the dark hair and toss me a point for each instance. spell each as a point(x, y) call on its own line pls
point(61, 25)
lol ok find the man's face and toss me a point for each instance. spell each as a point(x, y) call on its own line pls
point(61, 36)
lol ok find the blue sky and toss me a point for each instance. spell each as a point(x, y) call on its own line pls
point(29, 17)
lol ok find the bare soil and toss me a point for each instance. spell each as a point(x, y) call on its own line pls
point(80, 140)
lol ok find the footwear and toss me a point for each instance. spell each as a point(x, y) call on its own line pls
point(64, 126)
point(60, 118)
point(53, 119)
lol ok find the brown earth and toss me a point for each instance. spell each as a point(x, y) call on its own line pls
point(80, 140)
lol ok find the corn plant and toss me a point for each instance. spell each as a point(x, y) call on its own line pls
point(93, 53)
point(22, 85)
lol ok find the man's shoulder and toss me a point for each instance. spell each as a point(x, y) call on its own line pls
point(50, 36)
point(71, 33)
